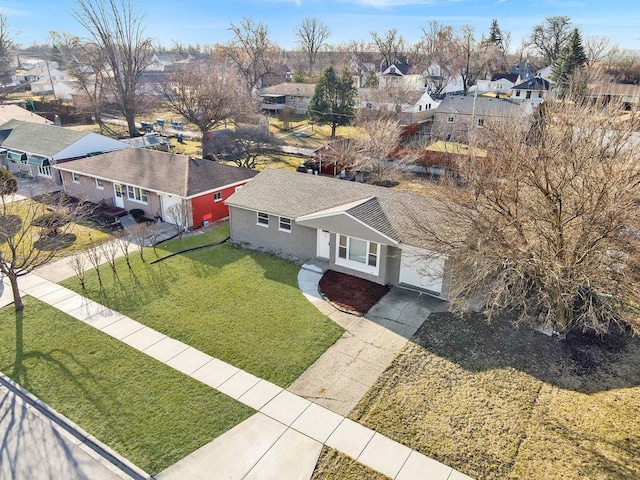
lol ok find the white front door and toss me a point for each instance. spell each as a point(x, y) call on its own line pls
point(119, 192)
point(323, 250)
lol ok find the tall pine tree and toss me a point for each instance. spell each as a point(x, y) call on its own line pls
point(334, 100)
point(571, 60)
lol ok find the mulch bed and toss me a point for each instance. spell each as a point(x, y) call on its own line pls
point(351, 293)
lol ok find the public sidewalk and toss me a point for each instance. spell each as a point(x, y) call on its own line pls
point(298, 427)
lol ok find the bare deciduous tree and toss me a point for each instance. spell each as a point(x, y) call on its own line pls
point(549, 38)
point(85, 62)
point(252, 52)
point(312, 34)
point(6, 44)
point(548, 224)
point(31, 236)
point(180, 215)
point(595, 48)
point(117, 31)
point(253, 140)
point(205, 95)
point(78, 264)
point(109, 251)
point(437, 55)
point(374, 153)
point(391, 46)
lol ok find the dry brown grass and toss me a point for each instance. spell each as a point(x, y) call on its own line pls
point(335, 465)
point(495, 403)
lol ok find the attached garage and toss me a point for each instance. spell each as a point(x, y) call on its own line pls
point(422, 269)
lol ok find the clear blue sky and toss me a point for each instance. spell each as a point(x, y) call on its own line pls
point(206, 22)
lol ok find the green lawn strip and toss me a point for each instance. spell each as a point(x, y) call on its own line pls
point(240, 306)
point(495, 402)
point(143, 409)
point(335, 465)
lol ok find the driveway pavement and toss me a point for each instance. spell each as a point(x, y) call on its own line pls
point(347, 370)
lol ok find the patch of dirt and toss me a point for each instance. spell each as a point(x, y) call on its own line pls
point(351, 293)
point(335, 465)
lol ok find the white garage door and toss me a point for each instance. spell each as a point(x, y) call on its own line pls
point(419, 268)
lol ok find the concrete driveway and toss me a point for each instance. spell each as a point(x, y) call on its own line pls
point(347, 370)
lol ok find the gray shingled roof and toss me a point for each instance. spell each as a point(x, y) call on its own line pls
point(535, 83)
point(45, 140)
point(496, 107)
point(159, 171)
point(292, 195)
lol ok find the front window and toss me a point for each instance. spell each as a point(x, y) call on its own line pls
point(480, 122)
point(285, 224)
point(263, 219)
point(359, 251)
point(44, 171)
point(217, 196)
point(450, 119)
point(137, 194)
point(517, 93)
point(99, 184)
point(75, 178)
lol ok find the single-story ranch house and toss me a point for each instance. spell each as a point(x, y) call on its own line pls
point(153, 181)
point(34, 148)
point(362, 230)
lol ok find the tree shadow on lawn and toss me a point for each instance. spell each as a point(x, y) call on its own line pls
point(476, 345)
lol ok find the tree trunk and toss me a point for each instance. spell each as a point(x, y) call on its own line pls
point(131, 125)
point(333, 131)
point(17, 298)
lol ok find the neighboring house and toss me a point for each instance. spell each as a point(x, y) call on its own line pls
point(294, 95)
point(615, 92)
point(61, 90)
point(412, 106)
point(457, 116)
point(281, 74)
point(403, 75)
point(154, 181)
point(359, 229)
point(534, 89)
point(14, 112)
point(33, 148)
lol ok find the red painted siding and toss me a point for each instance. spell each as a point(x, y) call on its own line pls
point(205, 208)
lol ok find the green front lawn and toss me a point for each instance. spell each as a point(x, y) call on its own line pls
point(495, 402)
point(143, 409)
point(240, 306)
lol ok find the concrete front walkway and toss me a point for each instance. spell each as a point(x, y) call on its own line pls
point(347, 370)
point(295, 427)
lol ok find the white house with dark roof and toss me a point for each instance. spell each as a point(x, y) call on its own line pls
point(533, 90)
point(154, 181)
point(358, 229)
point(34, 148)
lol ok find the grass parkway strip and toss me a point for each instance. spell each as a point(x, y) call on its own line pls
point(147, 411)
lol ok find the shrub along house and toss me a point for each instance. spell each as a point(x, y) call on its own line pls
point(362, 230)
point(154, 181)
point(32, 148)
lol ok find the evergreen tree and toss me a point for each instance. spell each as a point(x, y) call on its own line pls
point(571, 60)
point(334, 100)
point(495, 35)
